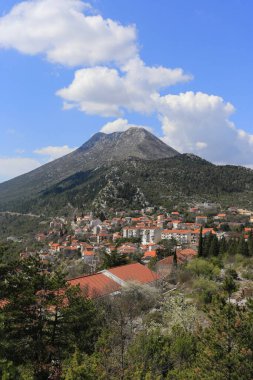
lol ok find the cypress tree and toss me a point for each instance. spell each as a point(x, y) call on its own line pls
point(200, 247)
point(243, 247)
point(250, 243)
point(223, 246)
point(214, 247)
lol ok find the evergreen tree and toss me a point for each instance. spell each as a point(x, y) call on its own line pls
point(223, 247)
point(243, 247)
point(43, 319)
point(214, 247)
point(200, 246)
point(223, 354)
point(250, 243)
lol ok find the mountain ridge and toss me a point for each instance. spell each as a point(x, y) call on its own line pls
point(98, 150)
point(128, 169)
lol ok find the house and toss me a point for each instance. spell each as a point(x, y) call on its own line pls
point(111, 281)
point(200, 219)
point(181, 236)
point(185, 236)
point(186, 254)
point(151, 235)
point(165, 266)
point(89, 257)
point(220, 217)
point(148, 255)
point(146, 234)
point(55, 247)
point(127, 249)
point(85, 247)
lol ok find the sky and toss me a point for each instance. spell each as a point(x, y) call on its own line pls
point(69, 68)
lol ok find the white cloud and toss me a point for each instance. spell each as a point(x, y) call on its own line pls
point(113, 80)
point(200, 123)
point(66, 32)
point(109, 92)
point(201, 145)
point(120, 125)
point(53, 152)
point(11, 167)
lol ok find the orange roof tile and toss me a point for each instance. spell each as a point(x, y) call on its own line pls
point(176, 231)
point(96, 285)
point(134, 272)
point(88, 253)
point(187, 252)
point(150, 254)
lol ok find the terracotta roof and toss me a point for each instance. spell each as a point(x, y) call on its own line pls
point(167, 261)
point(150, 254)
point(187, 252)
point(134, 272)
point(96, 285)
point(88, 253)
point(176, 232)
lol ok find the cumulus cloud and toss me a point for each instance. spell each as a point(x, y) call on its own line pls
point(200, 123)
point(66, 32)
point(53, 152)
point(11, 167)
point(109, 92)
point(120, 125)
point(112, 80)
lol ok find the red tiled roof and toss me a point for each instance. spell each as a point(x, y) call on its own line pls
point(187, 252)
point(88, 253)
point(150, 254)
point(96, 285)
point(180, 232)
point(134, 272)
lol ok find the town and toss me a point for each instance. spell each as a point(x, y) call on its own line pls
point(142, 243)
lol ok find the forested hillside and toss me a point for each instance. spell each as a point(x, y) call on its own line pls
point(134, 183)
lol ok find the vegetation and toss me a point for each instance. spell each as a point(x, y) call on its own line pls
point(180, 179)
point(51, 331)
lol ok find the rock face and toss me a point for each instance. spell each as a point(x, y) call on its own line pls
point(135, 142)
point(99, 150)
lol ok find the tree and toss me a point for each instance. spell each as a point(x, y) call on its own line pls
point(223, 246)
point(114, 259)
point(200, 246)
point(250, 243)
point(43, 319)
point(223, 353)
point(214, 247)
point(243, 247)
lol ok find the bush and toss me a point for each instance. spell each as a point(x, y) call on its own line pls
point(201, 267)
point(205, 289)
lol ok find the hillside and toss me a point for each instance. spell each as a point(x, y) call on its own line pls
point(101, 149)
point(134, 183)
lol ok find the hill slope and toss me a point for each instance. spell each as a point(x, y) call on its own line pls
point(125, 170)
point(134, 183)
point(100, 149)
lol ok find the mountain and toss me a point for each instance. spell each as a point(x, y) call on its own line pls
point(101, 149)
point(125, 170)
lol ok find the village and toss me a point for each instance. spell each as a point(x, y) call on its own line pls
point(103, 253)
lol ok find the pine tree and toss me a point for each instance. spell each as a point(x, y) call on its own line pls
point(44, 319)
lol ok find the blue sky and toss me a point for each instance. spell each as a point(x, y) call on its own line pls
point(122, 73)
